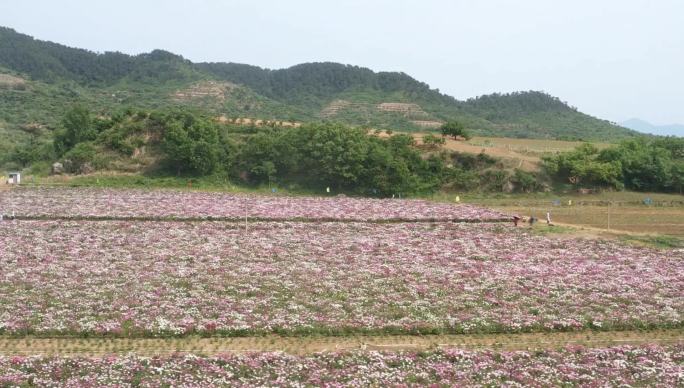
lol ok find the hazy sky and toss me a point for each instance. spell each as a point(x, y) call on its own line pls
point(614, 59)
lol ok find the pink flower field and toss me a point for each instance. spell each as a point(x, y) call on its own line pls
point(160, 204)
point(623, 366)
point(171, 278)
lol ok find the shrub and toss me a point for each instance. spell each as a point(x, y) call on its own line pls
point(525, 182)
point(433, 142)
point(83, 158)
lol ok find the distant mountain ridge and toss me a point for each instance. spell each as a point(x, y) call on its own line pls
point(53, 75)
point(661, 130)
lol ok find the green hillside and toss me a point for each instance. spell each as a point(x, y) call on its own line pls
point(39, 79)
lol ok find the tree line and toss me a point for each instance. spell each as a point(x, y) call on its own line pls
point(348, 159)
point(313, 156)
point(643, 164)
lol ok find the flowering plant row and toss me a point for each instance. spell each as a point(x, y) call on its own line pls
point(618, 366)
point(160, 204)
point(174, 278)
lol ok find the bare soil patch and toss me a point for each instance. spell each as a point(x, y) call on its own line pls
point(10, 80)
point(517, 159)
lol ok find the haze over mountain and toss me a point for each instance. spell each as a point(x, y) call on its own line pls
point(38, 79)
point(661, 130)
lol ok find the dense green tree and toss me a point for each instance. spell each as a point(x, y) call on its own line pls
point(678, 176)
point(31, 151)
point(455, 129)
point(191, 143)
point(77, 127)
point(645, 165)
point(340, 157)
point(581, 167)
point(636, 164)
point(259, 158)
point(337, 152)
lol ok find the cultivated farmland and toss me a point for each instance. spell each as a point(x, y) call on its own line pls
point(70, 277)
point(136, 265)
point(164, 204)
point(575, 366)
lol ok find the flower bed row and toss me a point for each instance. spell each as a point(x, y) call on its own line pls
point(174, 278)
point(167, 204)
point(618, 366)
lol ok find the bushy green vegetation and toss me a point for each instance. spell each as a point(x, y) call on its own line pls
point(191, 144)
point(311, 157)
point(637, 164)
point(431, 141)
point(315, 156)
point(336, 156)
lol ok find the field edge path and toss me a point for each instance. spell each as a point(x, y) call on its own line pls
point(308, 345)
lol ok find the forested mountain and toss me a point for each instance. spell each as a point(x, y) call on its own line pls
point(52, 62)
point(38, 79)
point(321, 80)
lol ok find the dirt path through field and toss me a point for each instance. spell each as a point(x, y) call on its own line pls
point(308, 345)
point(606, 220)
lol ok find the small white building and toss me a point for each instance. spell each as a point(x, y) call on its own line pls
point(14, 178)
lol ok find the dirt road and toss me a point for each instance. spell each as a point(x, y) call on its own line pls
point(307, 345)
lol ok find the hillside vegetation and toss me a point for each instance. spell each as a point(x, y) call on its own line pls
point(38, 79)
point(180, 143)
point(315, 156)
